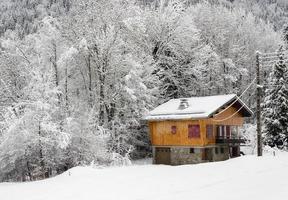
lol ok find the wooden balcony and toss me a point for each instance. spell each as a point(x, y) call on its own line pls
point(226, 140)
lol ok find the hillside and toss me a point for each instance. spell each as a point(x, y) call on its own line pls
point(247, 177)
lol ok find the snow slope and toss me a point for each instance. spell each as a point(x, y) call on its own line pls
point(247, 177)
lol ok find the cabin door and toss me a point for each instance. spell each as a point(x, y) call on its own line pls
point(163, 155)
point(207, 154)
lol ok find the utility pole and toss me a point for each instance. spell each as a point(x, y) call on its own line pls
point(258, 107)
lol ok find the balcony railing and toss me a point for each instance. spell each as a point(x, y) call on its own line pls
point(226, 140)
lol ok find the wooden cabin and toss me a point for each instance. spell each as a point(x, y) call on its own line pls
point(197, 129)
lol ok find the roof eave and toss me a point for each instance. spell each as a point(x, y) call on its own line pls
point(230, 101)
point(247, 108)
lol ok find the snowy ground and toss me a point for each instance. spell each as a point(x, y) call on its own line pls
point(247, 177)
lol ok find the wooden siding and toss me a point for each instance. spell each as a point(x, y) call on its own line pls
point(236, 119)
point(160, 131)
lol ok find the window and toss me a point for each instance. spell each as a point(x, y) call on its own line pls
point(234, 131)
point(193, 131)
point(222, 131)
point(209, 131)
point(219, 131)
point(173, 129)
point(228, 132)
point(216, 150)
point(222, 150)
point(206, 154)
point(192, 150)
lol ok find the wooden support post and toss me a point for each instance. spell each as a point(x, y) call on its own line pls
point(258, 107)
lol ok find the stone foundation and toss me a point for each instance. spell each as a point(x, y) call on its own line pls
point(189, 155)
point(182, 156)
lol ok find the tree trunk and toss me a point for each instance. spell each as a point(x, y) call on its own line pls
point(66, 93)
point(90, 98)
point(102, 78)
point(56, 77)
point(102, 101)
point(42, 164)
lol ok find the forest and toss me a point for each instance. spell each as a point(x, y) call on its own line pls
point(77, 76)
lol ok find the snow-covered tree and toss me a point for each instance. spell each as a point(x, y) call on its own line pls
point(285, 35)
point(113, 78)
point(233, 33)
point(23, 16)
point(276, 106)
point(174, 44)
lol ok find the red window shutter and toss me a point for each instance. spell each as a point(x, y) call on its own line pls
point(209, 131)
point(193, 131)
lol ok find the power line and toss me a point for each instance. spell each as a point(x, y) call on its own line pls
point(221, 120)
point(273, 53)
point(274, 84)
point(269, 57)
point(238, 97)
point(276, 55)
point(272, 61)
point(276, 59)
point(266, 59)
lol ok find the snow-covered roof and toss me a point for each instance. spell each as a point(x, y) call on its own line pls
point(198, 107)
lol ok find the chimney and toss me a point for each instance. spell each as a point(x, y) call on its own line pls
point(183, 104)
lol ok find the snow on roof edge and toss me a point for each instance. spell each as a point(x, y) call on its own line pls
point(227, 102)
point(245, 106)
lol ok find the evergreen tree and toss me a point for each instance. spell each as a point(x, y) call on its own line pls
point(285, 35)
point(276, 106)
